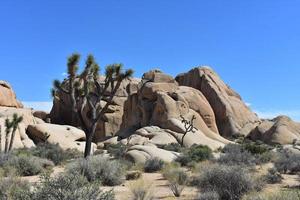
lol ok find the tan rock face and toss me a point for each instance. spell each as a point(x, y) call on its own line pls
point(67, 137)
point(163, 104)
point(280, 130)
point(8, 96)
point(141, 153)
point(232, 115)
point(21, 139)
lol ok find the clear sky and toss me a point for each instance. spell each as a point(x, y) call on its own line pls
point(253, 45)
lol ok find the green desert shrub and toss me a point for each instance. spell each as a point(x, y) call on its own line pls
point(133, 175)
point(99, 168)
point(55, 153)
point(229, 182)
point(195, 153)
point(273, 176)
point(234, 154)
point(141, 190)
point(265, 157)
point(172, 147)
point(118, 150)
point(256, 147)
point(13, 188)
point(287, 162)
point(69, 186)
point(177, 178)
point(27, 165)
point(153, 165)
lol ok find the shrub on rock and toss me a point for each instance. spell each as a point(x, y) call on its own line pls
point(153, 165)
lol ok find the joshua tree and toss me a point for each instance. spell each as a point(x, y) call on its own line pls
point(11, 125)
point(86, 93)
point(188, 126)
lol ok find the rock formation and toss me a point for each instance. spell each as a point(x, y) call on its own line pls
point(21, 138)
point(7, 96)
point(280, 130)
point(67, 137)
point(33, 129)
point(232, 115)
point(147, 114)
point(160, 102)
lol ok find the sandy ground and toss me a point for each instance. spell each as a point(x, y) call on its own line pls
point(161, 190)
point(159, 186)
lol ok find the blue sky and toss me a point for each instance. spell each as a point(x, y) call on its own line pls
point(253, 45)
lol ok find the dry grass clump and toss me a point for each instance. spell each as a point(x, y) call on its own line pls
point(141, 190)
point(177, 178)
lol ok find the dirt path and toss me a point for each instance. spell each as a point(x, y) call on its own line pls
point(159, 185)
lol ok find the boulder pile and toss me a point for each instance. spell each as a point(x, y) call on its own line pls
point(149, 113)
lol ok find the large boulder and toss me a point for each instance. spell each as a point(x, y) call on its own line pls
point(67, 137)
point(280, 130)
point(141, 153)
point(232, 115)
point(112, 120)
point(165, 105)
point(21, 139)
point(8, 96)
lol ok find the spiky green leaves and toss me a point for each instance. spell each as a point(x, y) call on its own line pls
point(14, 122)
point(56, 84)
point(115, 72)
point(72, 64)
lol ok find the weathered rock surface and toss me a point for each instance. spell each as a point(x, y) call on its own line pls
point(280, 130)
point(21, 139)
point(163, 104)
point(41, 115)
point(67, 137)
point(232, 115)
point(141, 153)
point(8, 96)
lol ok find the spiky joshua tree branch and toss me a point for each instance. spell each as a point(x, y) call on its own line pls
point(11, 127)
point(86, 92)
point(188, 127)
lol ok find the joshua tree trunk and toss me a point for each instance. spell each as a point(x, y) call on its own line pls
point(12, 139)
point(6, 141)
point(89, 140)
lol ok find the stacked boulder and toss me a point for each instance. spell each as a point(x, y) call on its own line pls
point(33, 129)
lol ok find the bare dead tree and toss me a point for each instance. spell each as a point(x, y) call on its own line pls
point(188, 127)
